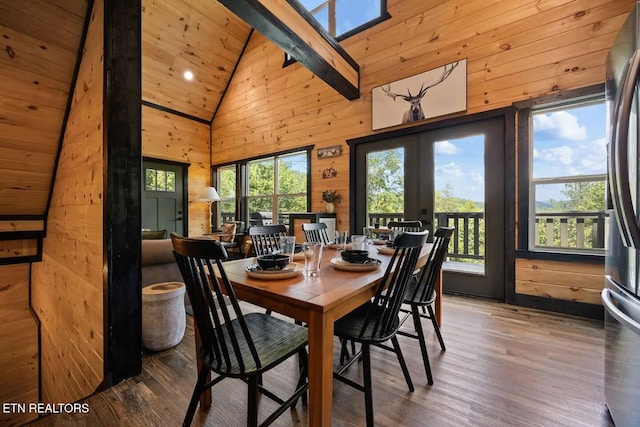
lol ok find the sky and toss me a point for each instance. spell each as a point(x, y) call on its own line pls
point(349, 13)
point(566, 143)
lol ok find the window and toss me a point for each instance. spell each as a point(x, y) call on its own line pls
point(344, 18)
point(227, 183)
point(159, 180)
point(276, 186)
point(567, 162)
point(340, 17)
point(264, 189)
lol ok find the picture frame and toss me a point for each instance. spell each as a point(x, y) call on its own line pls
point(327, 152)
point(437, 92)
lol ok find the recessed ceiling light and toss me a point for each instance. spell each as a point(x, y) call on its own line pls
point(188, 75)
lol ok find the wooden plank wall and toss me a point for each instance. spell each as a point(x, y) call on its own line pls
point(67, 286)
point(515, 50)
point(19, 338)
point(561, 280)
point(168, 136)
point(40, 41)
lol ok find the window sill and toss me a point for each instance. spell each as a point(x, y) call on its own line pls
point(561, 256)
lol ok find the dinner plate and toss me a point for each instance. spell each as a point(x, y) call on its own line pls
point(385, 250)
point(292, 270)
point(370, 265)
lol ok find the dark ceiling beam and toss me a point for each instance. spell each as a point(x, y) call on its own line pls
point(294, 30)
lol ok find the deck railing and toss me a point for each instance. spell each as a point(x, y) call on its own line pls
point(569, 230)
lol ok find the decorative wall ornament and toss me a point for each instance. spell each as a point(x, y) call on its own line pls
point(434, 93)
point(329, 172)
point(334, 151)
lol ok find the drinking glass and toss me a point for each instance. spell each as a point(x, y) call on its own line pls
point(313, 258)
point(288, 246)
point(358, 242)
point(368, 233)
point(341, 239)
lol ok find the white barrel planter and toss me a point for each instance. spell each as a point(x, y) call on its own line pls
point(163, 315)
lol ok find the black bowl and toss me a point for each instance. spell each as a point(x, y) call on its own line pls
point(355, 256)
point(273, 261)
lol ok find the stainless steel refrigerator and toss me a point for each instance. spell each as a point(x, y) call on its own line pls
point(621, 295)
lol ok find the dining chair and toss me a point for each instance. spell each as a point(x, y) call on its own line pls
point(232, 344)
point(266, 238)
point(405, 225)
point(422, 294)
point(377, 320)
point(316, 232)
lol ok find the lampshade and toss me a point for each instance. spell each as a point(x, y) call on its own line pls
point(209, 194)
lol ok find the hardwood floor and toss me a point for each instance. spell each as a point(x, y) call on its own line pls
point(504, 366)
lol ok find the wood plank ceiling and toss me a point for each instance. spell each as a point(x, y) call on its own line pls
point(199, 36)
point(40, 41)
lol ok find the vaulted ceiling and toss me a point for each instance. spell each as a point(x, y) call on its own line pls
point(200, 36)
point(40, 40)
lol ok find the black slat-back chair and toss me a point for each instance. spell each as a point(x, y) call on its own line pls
point(233, 344)
point(377, 320)
point(316, 232)
point(423, 294)
point(266, 238)
point(405, 225)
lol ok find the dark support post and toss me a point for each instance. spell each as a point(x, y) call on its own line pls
point(122, 198)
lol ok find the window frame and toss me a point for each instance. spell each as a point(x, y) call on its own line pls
point(383, 16)
point(242, 181)
point(525, 226)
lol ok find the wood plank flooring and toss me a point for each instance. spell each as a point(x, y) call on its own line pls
point(504, 366)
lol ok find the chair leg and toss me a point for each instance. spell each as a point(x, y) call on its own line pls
point(423, 346)
point(432, 315)
point(368, 389)
point(303, 363)
point(252, 406)
point(197, 391)
point(403, 364)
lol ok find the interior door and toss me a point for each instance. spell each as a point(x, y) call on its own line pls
point(163, 192)
point(450, 176)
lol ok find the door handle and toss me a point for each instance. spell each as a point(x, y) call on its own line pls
point(178, 219)
point(618, 314)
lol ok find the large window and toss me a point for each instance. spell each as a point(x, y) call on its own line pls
point(268, 188)
point(567, 177)
point(276, 186)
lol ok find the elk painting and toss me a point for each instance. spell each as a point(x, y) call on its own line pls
point(433, 93)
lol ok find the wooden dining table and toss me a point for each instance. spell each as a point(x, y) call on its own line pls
point(318, 301)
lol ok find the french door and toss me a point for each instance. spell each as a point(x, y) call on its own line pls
point(449, 176)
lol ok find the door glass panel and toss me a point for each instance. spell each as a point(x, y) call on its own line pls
point(460, 199)
point(385, 186)
point(150, 179)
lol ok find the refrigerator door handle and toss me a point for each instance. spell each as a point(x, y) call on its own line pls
point(621, 317)
point(622, 197)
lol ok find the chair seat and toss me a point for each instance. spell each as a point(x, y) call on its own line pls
point(274, 340)
point(351, 326)
point(409, 299)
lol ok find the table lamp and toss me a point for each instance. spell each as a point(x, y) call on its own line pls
point(209, 195)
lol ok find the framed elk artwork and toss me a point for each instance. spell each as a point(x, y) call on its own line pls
point(434, 93)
